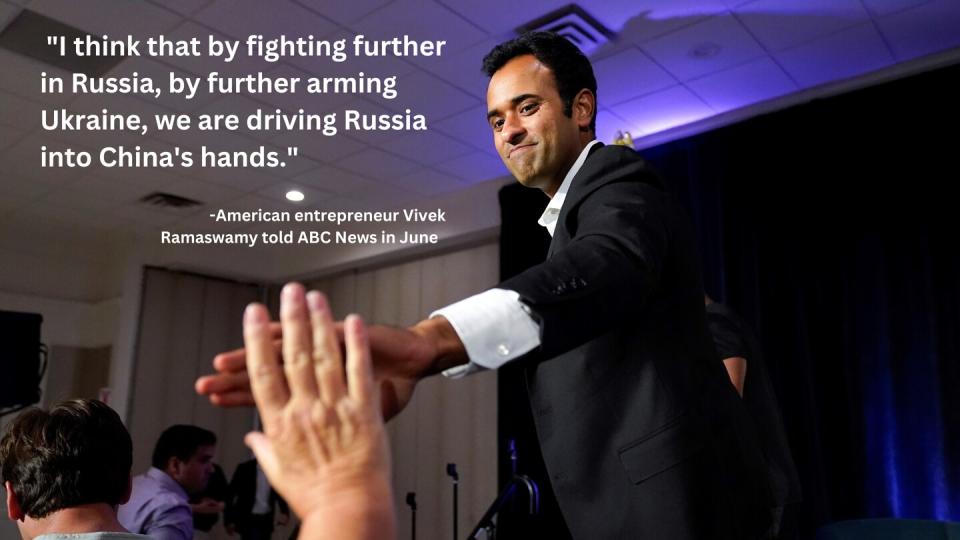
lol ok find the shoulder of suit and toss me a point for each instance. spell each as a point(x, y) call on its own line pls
point(613, 163)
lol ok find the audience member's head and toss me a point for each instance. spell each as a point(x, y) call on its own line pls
point(77, 454)
point(185, 453)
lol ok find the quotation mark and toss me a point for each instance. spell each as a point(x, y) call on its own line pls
point(58, 41)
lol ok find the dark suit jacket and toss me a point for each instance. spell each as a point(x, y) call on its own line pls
point(641, 432)
point(243, 492)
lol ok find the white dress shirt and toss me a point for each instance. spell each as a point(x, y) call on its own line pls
point(495, 326)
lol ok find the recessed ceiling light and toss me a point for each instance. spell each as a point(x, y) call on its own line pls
point(294, 195)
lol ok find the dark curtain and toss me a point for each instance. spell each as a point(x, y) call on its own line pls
point(831, 228)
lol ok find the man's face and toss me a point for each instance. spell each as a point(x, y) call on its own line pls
point(535, 139)
point(194, 473)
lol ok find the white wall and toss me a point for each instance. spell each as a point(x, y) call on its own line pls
point(447, 420)
point(69, 323)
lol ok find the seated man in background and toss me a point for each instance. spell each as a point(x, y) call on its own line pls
point(160, 503)
point(65, 471)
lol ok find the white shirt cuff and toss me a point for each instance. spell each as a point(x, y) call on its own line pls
point(494, 326)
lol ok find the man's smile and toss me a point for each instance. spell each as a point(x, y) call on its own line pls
point(522, 148)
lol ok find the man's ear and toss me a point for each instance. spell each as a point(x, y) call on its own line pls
point(14, 512)
point(173, 466)
point(584, 106)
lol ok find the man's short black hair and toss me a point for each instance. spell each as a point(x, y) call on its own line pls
point(571, 68)
point(182, 442)
point(76, 453)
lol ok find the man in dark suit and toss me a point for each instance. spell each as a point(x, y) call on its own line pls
point(641, 433)
point(252, 503)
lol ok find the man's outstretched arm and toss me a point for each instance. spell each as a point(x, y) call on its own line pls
point(401, 357)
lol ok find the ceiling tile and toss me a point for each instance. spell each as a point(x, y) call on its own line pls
point(99, 17)
point(114, 191)
point(475, 167)
point(426, 147)
point(318, 146)
point(428, 182)
point(143, 215)
point(154, 178)
point(608, 124)
point(377, 164)
point(930, 28)
point(335, 180)
point(324, 66)
point(113, 104)
point(104, 220)
point(203, 222)
point(160, 74)
point(79, 200)
point(463, 68)
point(21, 76)
point(663, 110)
point(19, 112)
point(253, 202)
point(10, 135)
point(645, 76)
point(643, 21)
point(344, 12)
point(421, 20)
point(879, 8)
point(423, 93)
point(706, 47)
point(241, 18)
point(779, 24)
point(23, 159)
point(240, 65)
point(470, 126)
point(502, 16)
point(743, 85)
point(302, 99)
point(184, 7)
point(237, 104)
point(7, 13)
point(382, 196)
point(25, 187)
point(10, 204)
point(242, 179)
point(845, 54)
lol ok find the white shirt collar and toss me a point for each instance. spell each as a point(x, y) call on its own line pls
point(550, 215)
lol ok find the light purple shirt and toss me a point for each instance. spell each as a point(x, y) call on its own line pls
point(158, 507)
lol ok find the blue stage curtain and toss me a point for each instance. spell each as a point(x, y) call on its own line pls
point(832, 229)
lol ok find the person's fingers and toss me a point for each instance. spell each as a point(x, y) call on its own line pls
point(219, 383)
point(233, 399)
point(297, 343)
point(236, 360)
point(262, 448)
point(327, 361)
point(359, 365)
point(230, 361)
point(267, 381)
